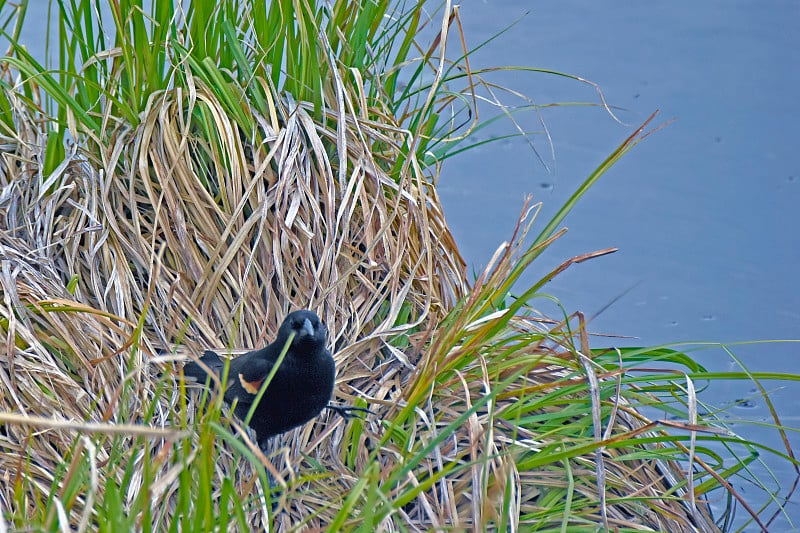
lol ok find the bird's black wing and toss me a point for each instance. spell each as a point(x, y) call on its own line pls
point(250, 371)
point(210, 359)
point(246, 377)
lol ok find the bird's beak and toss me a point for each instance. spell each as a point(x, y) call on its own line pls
point(307, 329)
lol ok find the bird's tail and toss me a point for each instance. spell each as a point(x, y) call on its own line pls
point(194, 370)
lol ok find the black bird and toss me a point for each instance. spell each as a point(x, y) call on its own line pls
point(300, 389)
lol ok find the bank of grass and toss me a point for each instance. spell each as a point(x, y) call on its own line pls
point(184, 179)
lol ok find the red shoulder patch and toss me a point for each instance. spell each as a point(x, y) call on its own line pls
point(250, 386)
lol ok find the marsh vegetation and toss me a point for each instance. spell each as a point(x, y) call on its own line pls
point(183, 179)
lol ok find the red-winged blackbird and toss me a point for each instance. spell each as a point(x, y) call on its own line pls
point(300, 388)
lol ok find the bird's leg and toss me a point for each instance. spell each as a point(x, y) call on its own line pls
point(348, 411)
point(265, 449)
point(264, 445)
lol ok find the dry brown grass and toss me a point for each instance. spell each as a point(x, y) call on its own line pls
point(170, 238)
point(178, 237)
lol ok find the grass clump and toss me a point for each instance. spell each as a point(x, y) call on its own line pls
point(185, 177)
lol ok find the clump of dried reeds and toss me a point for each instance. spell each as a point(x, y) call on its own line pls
point(175, 241)
point(171, 240)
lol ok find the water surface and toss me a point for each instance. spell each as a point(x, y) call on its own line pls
point(706, 212)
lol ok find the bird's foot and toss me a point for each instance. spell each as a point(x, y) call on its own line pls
point(349, 412)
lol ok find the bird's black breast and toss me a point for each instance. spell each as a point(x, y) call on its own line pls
point(299, 391)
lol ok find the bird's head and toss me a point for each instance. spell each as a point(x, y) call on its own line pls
point(308, 330)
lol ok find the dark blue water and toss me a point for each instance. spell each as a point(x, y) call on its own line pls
point(706, 212)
